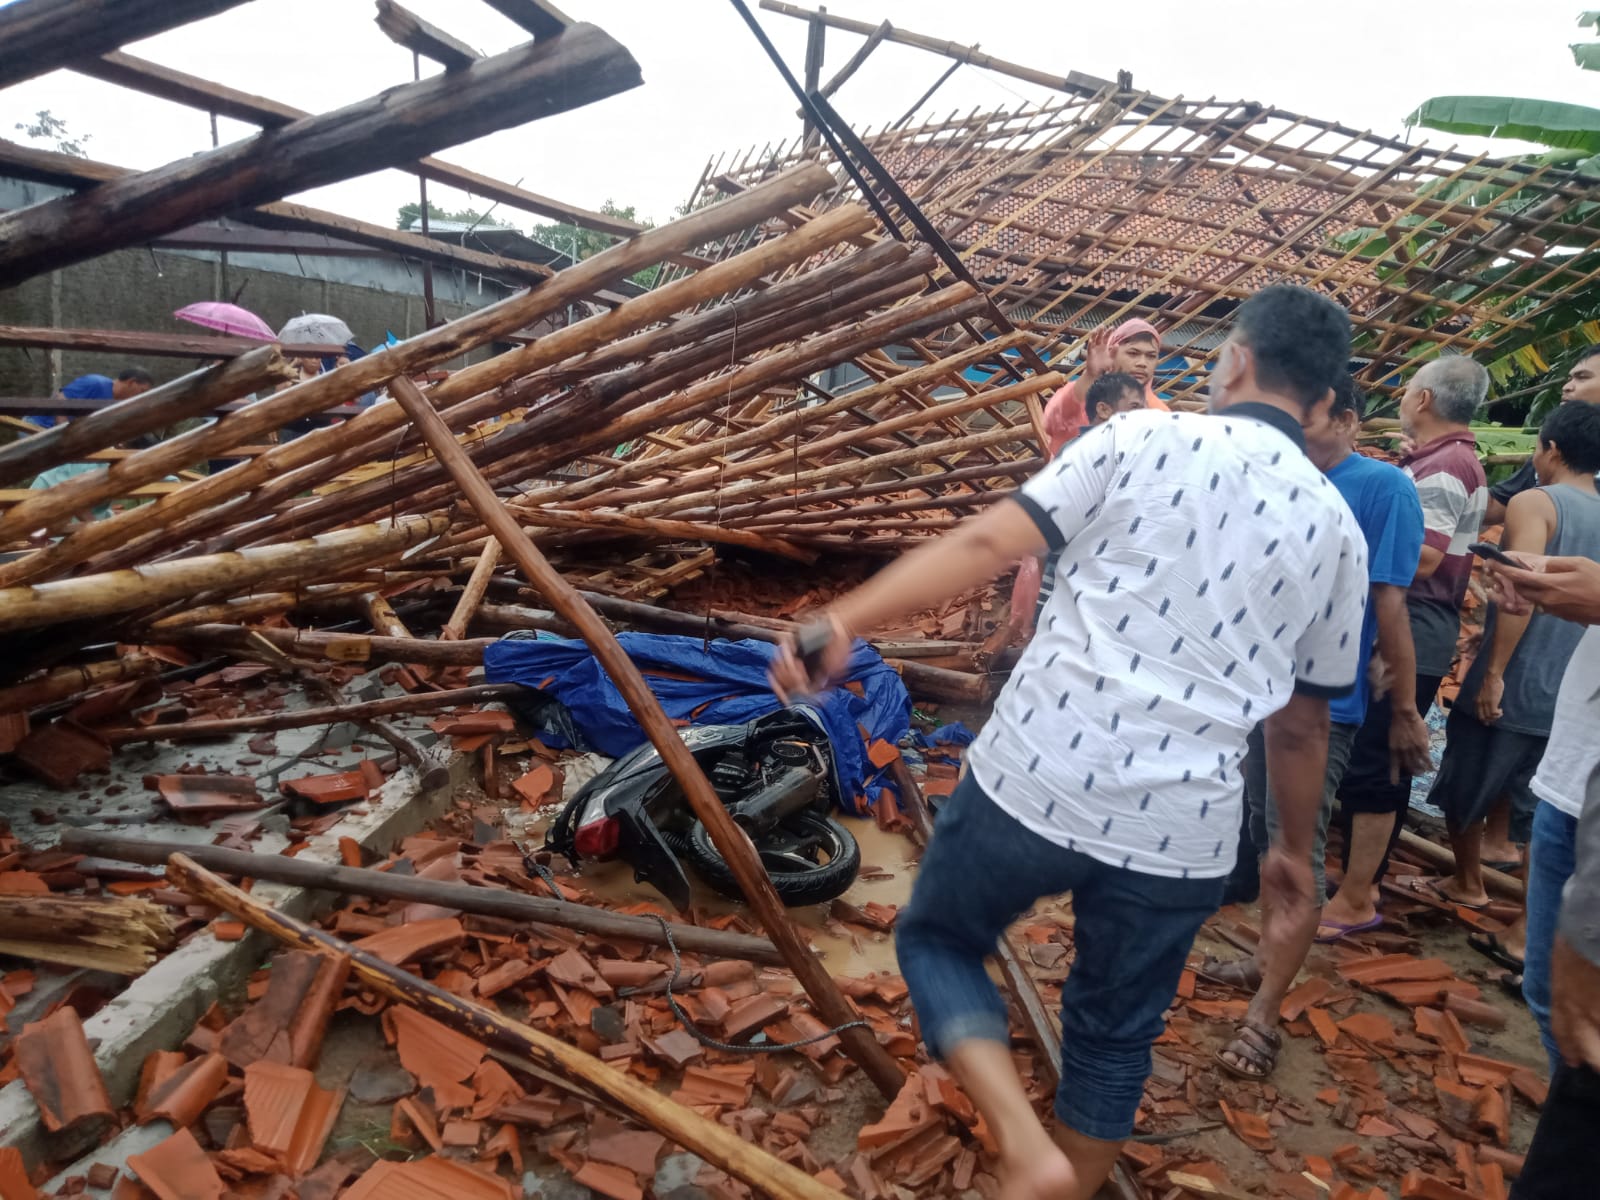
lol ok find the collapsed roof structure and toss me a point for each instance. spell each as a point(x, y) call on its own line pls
point(849, 350)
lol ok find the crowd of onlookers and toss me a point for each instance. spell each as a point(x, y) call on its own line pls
point(1238, 621)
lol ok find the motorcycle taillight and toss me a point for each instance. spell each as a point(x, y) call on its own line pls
point(598, 839)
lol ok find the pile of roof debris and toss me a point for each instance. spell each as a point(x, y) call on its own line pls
point(830, 367)
point(534, 1023)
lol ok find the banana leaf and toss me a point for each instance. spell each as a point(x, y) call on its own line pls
point(1548, 122)
point(1586, 55)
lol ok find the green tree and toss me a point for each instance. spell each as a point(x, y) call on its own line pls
point(1531, 362)
point(47, 127)
point(579, 243)
point(411, 214)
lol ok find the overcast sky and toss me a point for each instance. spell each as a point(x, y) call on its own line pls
point(708, 87)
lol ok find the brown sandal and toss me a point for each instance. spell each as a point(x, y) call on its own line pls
point(1257, 1045)
point(1239, 973)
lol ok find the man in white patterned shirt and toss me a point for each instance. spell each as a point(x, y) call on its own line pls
point(1210, 578)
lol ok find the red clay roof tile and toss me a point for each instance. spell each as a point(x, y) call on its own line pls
point(178, 1169)
point(439, 1057)
point(428, 1179)
point(60, 1071)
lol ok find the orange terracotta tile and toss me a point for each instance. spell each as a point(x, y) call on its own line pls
point(195, 795)
point(1302, 997)
point(401, 944)
point(339, 787)
point(1327, 1032)
point(616, 1182)
point(1250, 1128)
point(536, 784)
point(572, 970)
point(635, 1150)
point(1370, 1028)
point(14, 1184)
point(428, 1179)
point(288, 1023)
point(1395, 968)
point(178, 1169)
point(289, 1116)
point(1530, 1087)
point(439, 1057)
point(60, 1071)
point(183, 1095)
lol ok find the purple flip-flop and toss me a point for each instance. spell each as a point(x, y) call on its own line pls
point(1346, 930)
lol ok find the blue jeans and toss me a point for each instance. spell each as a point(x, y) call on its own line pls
point(1551, 856)
point(1133, 933)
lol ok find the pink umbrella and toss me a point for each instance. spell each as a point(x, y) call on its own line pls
point(227, 318)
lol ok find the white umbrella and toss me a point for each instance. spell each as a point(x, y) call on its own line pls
point(315, 329)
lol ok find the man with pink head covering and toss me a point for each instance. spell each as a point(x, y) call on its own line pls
point(1134, 348)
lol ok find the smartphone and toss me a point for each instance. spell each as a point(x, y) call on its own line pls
point(1494, 554)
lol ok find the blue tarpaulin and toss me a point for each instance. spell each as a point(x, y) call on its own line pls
point(725, 684)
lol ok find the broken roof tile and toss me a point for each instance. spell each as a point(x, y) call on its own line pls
point(290, 1117)
point(618, 1183)
point(635, 1150)
point(197, 795)
point(337, 788)
point(177, 1169)
point(14, 1184)
point(60, 752)
point(60, 1071)
point(573, 970)
point(536, 784)
point(183, 1095)
point(400, 944)
point(438, 1056)
point(288, 1023)
point(428, 1179)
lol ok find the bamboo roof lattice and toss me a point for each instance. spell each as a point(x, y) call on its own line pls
point(803, 380)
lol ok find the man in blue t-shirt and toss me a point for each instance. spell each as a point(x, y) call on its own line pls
point(130, 383)
point(1385, 505)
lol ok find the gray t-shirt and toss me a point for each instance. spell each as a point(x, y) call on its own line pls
point(1533, 676)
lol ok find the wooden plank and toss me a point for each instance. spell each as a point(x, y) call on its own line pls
point(182, 88)
point(538, 17)
point(41, 35)
point(583, 65)
point(64, 170)
point(415, 34)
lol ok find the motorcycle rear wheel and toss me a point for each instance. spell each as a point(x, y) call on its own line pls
point(810, 858)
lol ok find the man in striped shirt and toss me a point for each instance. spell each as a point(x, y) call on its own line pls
point(1435, 411)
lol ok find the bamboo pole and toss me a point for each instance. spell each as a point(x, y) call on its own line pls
point(194, 394)
point(824, 290)
point(921, 418)
point(769, 432)
point(472, 595)
point(298, 718)
point(69, 681)
point(122, 591)
point(351, 380)
point(730, 841)
point(386, 885)
point(527, 448)
point(559, 365)
point(713, 1142)
point(555, 518)
point(337, 647)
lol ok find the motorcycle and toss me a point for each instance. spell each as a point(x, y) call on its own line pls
point(776, 777)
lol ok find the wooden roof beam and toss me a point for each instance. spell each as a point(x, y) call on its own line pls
point(1074, 82)
point(539, 17)
point(583, 65)
point(180, 87)
point(41, 35)
point(63, 170)
point(407, 29)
